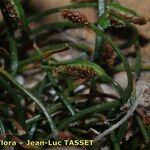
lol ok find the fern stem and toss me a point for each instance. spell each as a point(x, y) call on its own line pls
point(62, 97)
point(87, 111)
point(99, 39)
point(30, 96)
point(13, 52)
point(129, 88)
point(143, 129)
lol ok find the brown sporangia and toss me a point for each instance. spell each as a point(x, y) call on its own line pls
point(139, 20)
point(75, 16)
point(11, 12)
point(136, 19)
point(109, 55)
point(76, 72)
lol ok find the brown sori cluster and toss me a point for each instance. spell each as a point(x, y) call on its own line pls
point(10, 8)
point(74, 16)
point(76, 72)
point(136, 19)
point(139, 20)
point(109, 55)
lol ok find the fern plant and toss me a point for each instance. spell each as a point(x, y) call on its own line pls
point(67, 103)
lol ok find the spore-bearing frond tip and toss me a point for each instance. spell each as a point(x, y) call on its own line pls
point(75, 71)
point(74, 16)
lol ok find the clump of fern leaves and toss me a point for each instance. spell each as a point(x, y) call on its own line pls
point(58, 103)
